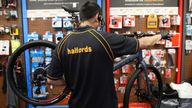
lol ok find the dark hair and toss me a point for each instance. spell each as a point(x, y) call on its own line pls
point(89, 10)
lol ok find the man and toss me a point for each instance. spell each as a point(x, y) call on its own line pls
point(85, 59)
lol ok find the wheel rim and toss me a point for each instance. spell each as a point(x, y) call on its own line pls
point(12, 83)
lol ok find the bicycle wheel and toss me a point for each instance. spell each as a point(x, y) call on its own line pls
point(41, 94)
point(136, 90)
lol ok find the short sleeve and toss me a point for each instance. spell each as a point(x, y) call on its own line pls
point(54, 71)
point(122, 45)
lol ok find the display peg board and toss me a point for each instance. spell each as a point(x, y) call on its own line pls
point(52, 8)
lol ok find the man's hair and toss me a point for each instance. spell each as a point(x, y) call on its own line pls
point(89, 10)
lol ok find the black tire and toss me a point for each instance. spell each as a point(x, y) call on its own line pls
point(158, 94)
point(11, 79)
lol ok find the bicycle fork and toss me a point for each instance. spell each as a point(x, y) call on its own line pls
point(149, 91)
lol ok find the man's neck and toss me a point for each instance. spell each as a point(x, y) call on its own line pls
point(86, 23)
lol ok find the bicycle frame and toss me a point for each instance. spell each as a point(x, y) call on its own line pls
point(140, 64)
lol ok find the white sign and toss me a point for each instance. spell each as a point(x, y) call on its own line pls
point(144, 10)
point(47, 13)
point(4, 47)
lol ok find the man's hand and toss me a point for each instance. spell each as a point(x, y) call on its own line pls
point(166, 36)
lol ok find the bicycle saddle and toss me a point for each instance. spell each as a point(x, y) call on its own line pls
point(69, 10)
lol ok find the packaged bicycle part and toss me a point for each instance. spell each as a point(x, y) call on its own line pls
point(129, 21)
point(2, 29)
point(171, 58)
point(188, 45)
point(152, 21)
point(57, 22)
point(174, 42)
point(126, 69)
point(58, 36)
point(175, 20)
point(4, 47)
point(146, 55)
point(48, 60)
point(121, 89)
point(151, 76)
point(124, 79)
point(15, 44)
point(117, 72)
point(14, 30)
point(33, 36)
point(67, 23)
point(116, 22)
point(164, 21)
point(48, 36)
point(39, 92)
point(156, 56)
point(168, 73)
point(189, 30)
point(188, 18)
point(116, 81)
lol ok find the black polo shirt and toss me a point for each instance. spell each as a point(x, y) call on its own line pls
point(87, 66)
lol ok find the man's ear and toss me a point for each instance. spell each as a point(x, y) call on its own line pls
point(96, 17)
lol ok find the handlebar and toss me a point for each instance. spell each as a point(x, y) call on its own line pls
point(165, 36)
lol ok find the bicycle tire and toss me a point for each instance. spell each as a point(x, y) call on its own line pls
point(10, 74)
point(131, 83)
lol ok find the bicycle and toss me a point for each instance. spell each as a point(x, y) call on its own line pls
point(41, 74)
point(140, 88)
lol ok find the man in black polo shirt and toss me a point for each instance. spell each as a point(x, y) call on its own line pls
point(85, 59)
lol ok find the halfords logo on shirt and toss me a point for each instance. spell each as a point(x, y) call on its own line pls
point(77, 50)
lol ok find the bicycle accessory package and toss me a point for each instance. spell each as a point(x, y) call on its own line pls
point(58, 36)
point(174, 41)
point(2, 29)
point(129, 21)
point(67, 23)
point(165, 21)
point(171, 58)
point(126, 69)
point(152, 21)
point(39, 90)
point(10, 14)
point(4, 47)
point(57, 22)
point(11, 3)
point(188, 46)
point(188, 18)
point(15, 44)
point(48, 36)
point(33, 36)
point(124, 79)
point(175, 20)
point(14, 30)
point(146, 55)
point(157, 56)
point(116, 81)
point(189, 30)
point(116, 22)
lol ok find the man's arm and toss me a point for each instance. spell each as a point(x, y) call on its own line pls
point(148, 41)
